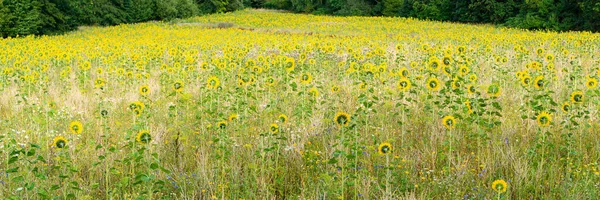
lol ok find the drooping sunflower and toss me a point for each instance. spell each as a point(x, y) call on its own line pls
point(144, 90)
point(342, 119)
point(577, 97)
point(305, 78)
point(282, 118)
point(544, 119)
point(274, 128)
point(591, 83)
point(433, 84)
point(539, 82)
point(213, 82)
point(384, 148)
point(76, 127)
point(178, 86)
point(566, 107)
point(499, 186)
point(143, 137)
point(494, 90)
point(404, 84)
point(59, 142)
point(449, 122)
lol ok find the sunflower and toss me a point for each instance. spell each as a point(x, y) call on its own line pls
point(76, 127)
point(566, 107)
point(539, 51)
point(538, 82)
point(471, 89)
point(305, 78)
point(447, 60)
point(137, 112)
point(270, 81)
point(233, 117)
point(213, 82)
point(384, 148)
point(494, 90)
point(499, 186)
point(143, 137)
point(178, 86)
point(591, 83)
point(525, 80)
point(274, 128)
point(363, 86)
point(463, 70)
point(313, 92)
point(449, 122)
point(99, 83)
point(577, 97)
point(473, 77)
point(144, 90)
point(434, 64)
point(289, 64)
point(222, 124)
point(342, 119)
point(549, 57)
point(335, 89)
point(283, 118)
point(447, 69)
point(403, 72)
point(456, 84)
point(544, 119)
point(137, 105)
point(433, 84)
point(59, 142)
point(469, 106)
point(404, 84)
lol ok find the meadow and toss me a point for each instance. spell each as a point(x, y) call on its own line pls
point(260, 104)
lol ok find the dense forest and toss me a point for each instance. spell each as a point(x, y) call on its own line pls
point(25, 17)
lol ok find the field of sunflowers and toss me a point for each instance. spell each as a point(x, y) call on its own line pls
point(260, 104)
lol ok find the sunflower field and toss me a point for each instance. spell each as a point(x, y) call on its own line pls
point(260, 104)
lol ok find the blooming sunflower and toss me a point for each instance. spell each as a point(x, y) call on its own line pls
point(463, 70)
point(233, 117)
point(144, 90)
point(213, 82)
point(222, 124)
point(577, 97)
point(499, 186)
point(591, 83)
point(76, 127)
point(544, 119)
point(433, 84)
point(471, 89)
point(305, 78)
point(473, 77)
point(289, 64)
point(539, 82)
point(335, 89)
point(178, 86)
point(434, 64)
point(313, 92)
point(404, 84)
point(525, 80)
point(449, 122)
point(403, 72)
point(282, 118)
point(566, 107)
point(59, 142)
point(99, 83)
point(143, 137)
point(342, 119)
point(274, 128)
point(384, 148)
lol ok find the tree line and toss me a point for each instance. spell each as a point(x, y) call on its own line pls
point(25, 17)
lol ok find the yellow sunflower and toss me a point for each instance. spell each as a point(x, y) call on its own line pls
point(313, 92)
point(434, 64)
point(335, 89)
point(544, 119)
point(99, 83)
point(213, 82)
point(404, 84)
point(471, 89)
point(449, 122)
point(499, 186)
point(143, 137)
point(222, 124)
point(539, 82)
point(591, 83)
point(384, 148)
point(566, 107)
point(59, 142)
point(577, 97)
point(283, 118)
point(433, 84)
point(525, 80)
point(76, 127)
point(178, 86)
point(274, 128)
point(342, 119)
point(403, 72)
point(144, 90)
point(233, 117)
point(305, 78)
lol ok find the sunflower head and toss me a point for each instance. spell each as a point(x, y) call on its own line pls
point(577, 97)
point(525, 80)
point(566, 107)
point(591, 83)
point(282, 118)
point(144, 90)
point(143, 137)
point(404, 84)
point(222, 124)
point(434, 64)
point(305, 78)
point(473, 77)
point(544, 119)
point(342, 119)
point(213, 82)
point(384, 148)
point(274, 128)
point(403, 72)
point(449, 122)
point(335, 89)
point(76, 127)
point(178, 86)
point(539, 82)
point(499, 186)
point(471, 89)
point(433, 84)
point(233, 117)
point(99, 83)
point(59, 142)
